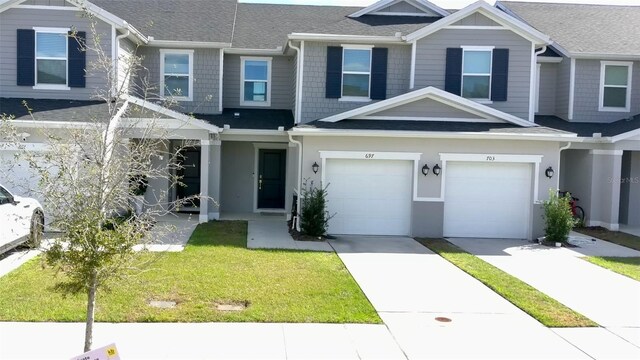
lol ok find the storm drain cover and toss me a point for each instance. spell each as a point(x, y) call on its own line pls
point(231, 305)
point(443, 319)
point(162, 304)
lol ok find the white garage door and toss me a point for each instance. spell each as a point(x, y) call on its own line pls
point(488, 200)
point(369, 197)
point(17, 176)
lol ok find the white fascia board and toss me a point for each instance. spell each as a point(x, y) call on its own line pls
point(40, 124)
point(437, 95)
point(517, 26)
point(341, 37)
point(383, 3)
point(603, 56)
point(430, 134)
point(625, 136)
point(8, 4)
point(172, 113)
point(188, 44)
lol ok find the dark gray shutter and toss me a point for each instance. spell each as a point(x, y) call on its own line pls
point(26, 60)
point(499, 74)
point(77, 61)
point(453, 71)
point(379, 73)
point(334, 72)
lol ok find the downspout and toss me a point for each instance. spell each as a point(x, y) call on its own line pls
point(299, 64)
point(117, 60)
point(560, 160)
point(533, 80)
point(299, 190)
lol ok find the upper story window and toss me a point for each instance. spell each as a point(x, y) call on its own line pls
point(476, 72)
point(255, 86)
point(51, 57)
point(356, 72)
point(176, 78)
point(615, 86)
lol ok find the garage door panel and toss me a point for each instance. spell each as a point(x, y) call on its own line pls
point(488, 200)
point(369, 197)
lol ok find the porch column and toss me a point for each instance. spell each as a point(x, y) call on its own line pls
point(215, 179)
point(205, 151)
point(606, 177)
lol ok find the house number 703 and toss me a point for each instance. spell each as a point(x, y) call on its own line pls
point(368, 156)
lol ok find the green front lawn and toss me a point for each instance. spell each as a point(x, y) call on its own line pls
point(615, 237)
point(543, 308)
point(215, 267)
point(627, 266)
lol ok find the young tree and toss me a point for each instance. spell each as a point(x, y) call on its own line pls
point(93, 172)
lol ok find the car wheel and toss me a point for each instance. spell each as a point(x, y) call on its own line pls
point(37, 230)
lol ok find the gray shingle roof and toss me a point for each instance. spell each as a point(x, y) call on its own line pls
point(588, 129)
point(53, 110)
point(185, 20)
point(437, 126)
point(262, 119)
point(581, 28)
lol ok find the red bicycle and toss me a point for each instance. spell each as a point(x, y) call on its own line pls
point(577, 211)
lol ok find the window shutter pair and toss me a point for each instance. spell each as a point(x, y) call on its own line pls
point(26, 57)
point(499, 73)
point(333, 83)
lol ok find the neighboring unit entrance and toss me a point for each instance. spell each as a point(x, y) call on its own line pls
point(488, 200)
point(369, 197)
point(272, 172)
point(189, 175)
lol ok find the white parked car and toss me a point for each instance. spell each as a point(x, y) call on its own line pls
point(21, 221)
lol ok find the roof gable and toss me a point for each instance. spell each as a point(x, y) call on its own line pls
point(402, 8)
point(490, 13)
point(429, 104)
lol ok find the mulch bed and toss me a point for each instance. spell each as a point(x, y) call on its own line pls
point(298, 236)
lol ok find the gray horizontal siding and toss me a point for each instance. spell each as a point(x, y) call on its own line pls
point(14, 19)
point(314, 103)
point(47, 2)
point(402, 7)
point(476, 20)
point(431, 62)
point(562, 88)
point(547, 91)
point(282, 69)
point(206, 67)
point(587, 93)
point(126, 65)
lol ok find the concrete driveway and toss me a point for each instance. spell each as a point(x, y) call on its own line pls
point(610, 299)
point(410, 287)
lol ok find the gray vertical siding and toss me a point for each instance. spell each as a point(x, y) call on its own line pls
point(562, 88)
point(547, 91)
point(587, 92)
point(476, 20)
point(14, 19)
point(403, 7)
point(47, 2)
point(206, 66)
point(126, 65)
point(431, 62)
point(293, 82)
point(314, 103)
point(282, 68)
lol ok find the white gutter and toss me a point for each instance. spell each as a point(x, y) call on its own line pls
point(299, 189)
point(299, 81)
point(355, 38)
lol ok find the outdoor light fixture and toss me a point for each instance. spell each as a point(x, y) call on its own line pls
point(436, 170)
point(315, 167)
point(549, 172)
point(425, 169)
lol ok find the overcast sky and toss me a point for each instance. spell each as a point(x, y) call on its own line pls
point(447, 4)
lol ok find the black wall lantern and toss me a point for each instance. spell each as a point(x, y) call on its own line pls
point(436, 170)
point(425, 170)
point(549, 172)
point(315, 167)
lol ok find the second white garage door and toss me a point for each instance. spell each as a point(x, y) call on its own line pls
point(369, 197)
point(488, 200)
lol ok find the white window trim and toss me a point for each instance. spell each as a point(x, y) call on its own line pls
point(479, 49)
point(164, 52)
point(267, 101)
point(603, 65)
point(51, 30)
point(356, 98)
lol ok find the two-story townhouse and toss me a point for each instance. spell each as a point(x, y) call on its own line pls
point(590, 85)
point(419, 119)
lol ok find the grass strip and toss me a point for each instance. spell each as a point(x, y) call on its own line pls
point(627, 266)
point(543, 308)
point(616, 237)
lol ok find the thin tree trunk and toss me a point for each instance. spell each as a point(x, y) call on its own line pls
point(91, 309)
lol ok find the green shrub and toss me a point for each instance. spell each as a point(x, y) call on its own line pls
point(314, 218)
point(558, 217)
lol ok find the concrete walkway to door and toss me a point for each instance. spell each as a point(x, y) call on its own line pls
point(610, 299)
point(410, 287)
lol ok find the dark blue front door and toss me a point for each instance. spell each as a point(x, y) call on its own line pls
point(271, 178)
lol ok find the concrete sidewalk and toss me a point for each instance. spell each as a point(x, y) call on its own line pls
point(410, 287)
point(610, 299)
point(201, 341)
point(272, 233)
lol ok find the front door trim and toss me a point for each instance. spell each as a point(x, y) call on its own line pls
point(256, 169)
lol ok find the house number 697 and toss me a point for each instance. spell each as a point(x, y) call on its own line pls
point(491, 158)
point(368, 156)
